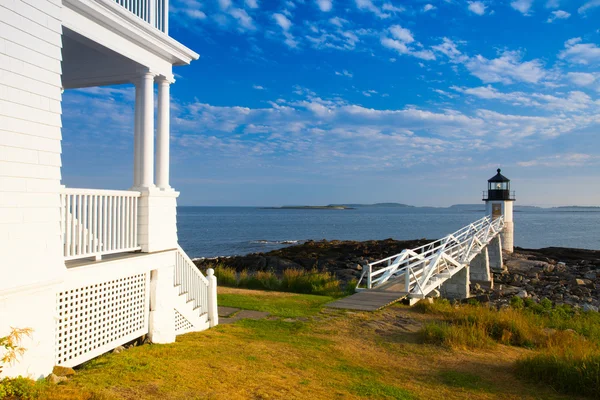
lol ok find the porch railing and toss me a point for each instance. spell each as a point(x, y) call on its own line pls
point(191, 282)
point(155, 12)
point(98, 222)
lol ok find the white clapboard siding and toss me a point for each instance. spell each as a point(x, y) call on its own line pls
point(33, 28)
point(30, 123)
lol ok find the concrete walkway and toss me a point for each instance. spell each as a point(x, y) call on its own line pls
point(368, 300)
point(229, 315)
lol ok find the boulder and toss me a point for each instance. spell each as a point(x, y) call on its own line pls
point(589, 307)
point(63, 371)
point(118, 349)
point(591, 275)
point(522, 294)
point(55, 379)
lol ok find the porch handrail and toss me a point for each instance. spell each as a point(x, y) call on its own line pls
point(191, 282)
point(98, 222)
point(154, 12)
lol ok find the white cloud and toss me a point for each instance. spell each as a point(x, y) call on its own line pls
point(195, 14)
point(344, 73)
point(450, 50)
point(574, 101)
point(282, 21)
point(224, 4)
point(402, 37)
point(401, 34)
point(560, 14)
point(337, 21)
point(561, 160)
point(392, 8)
point(522, 6)
point(244, 20)
point(581, 78)
point(490, 93)
point(402, 48)
point(324, 5)
point(477, 7)
point(251, 3)
point(507, 69)
point(367, 5)
point(258, 87)
point(588, 6)
point(428, 7)
point(552, 4)
point(580, 53)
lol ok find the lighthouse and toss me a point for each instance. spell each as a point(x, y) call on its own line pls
point(499, 202)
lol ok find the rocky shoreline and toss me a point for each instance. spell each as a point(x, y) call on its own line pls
point(563, 275)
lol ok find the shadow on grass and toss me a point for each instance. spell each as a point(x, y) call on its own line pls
point(465, 380)
point(293, 333)
point(378, 390)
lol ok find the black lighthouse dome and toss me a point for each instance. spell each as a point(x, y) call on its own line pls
point(499, 188)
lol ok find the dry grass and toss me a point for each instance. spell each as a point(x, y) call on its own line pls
point(305, 352)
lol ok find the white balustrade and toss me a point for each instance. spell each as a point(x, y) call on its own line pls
point(191, 282)
point(98, 222)
point(155, 12)
point(424, 268)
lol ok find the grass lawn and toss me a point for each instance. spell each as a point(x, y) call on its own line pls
point(304, 351)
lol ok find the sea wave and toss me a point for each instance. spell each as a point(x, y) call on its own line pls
point(276, 242)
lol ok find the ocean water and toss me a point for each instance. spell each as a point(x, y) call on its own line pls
point(223, 231)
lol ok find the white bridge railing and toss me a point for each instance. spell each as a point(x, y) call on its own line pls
point(98, 222)
point(155, 12)
point(191, 282)
point(424, 268)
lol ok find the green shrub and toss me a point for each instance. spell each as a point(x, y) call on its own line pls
point(531, 327)
point(570, 373)
point(226, 276)
point(351, 287)
point(20, 388)
point(453, 336)
point(292, 280)
point(517, 302)
point(268, 280)
point(546, 303)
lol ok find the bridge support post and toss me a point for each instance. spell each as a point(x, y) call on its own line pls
point(495, 254)
point(458, 286)
point(480, 268)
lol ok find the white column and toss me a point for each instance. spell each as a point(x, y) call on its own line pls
point(137, 143)
point(162, 134)
point(147, 130)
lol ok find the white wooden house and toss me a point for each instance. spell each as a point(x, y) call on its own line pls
point(89, 270)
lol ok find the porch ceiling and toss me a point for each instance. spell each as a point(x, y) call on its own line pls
point(86, 63)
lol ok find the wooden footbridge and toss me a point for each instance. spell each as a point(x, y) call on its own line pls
point(442, 265)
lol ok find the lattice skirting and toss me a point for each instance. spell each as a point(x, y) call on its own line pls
point(182, 325)
point(98, 317)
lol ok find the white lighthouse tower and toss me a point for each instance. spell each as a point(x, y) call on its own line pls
point(499, 202)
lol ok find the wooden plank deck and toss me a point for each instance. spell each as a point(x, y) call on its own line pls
point(368, 300)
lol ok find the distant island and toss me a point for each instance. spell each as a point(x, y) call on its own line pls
point(329, 207)
point(386, 205)
point(338, 206)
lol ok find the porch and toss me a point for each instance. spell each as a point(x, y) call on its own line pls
point(126, 275)
point(98, 50)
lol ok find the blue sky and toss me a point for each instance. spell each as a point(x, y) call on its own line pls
point(329, 101)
